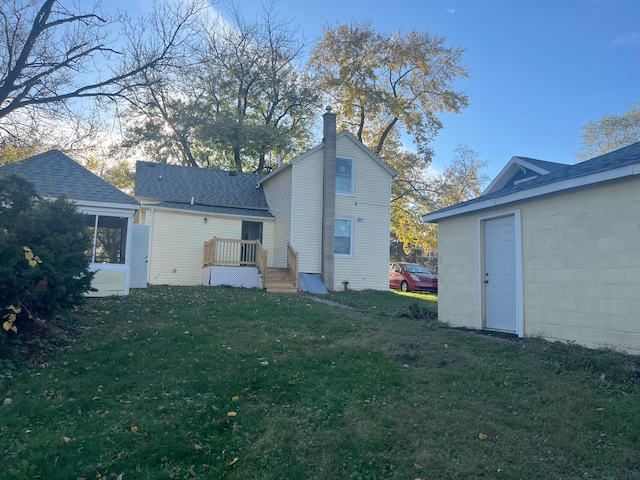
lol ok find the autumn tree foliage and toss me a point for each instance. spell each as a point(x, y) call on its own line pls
point(610, 133)
point(461, 180)
point(384, 86)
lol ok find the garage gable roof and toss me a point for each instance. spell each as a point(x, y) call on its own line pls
point(620, 163)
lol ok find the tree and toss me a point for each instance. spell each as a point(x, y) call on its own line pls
point(383, 82)
point(239, 102)
point(460, 181)
point(44, 268)
point(258, 102)
point(610, 133)
point(53, 52)
point(384, 85)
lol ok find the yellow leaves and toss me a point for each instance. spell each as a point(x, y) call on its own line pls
point(31, 257)
point(446, 345)
point(134, 428)
point(10, 318)
point(234, 461)
point(482, 436)
point(235, 398)
point(232, 414)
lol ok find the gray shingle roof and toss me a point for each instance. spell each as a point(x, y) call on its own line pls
point(212, 190)
point(544, 164)
point(622, 157)
point(54, 174)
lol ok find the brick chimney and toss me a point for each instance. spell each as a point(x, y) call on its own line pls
point(328, 197)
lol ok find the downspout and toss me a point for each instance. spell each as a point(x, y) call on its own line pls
point(328, 198)
point(150, 223)
point(127, 255)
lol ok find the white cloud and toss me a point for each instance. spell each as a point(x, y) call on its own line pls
point(626, 40)
point(451, 10)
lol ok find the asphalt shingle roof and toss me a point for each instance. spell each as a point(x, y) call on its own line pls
point(629, 155)
point(544, 164)
point(212, 190)
point(54, 174)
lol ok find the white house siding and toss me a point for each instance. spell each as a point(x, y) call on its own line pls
point(177, 243)
point(369, 267)
point(306, 232)
point(278, 193)
point(581, 266)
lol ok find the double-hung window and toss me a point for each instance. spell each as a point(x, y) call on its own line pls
point(343, 237)
point(345, 176)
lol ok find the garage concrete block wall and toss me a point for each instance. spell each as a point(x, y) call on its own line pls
point(458, 271)
point(582, 266)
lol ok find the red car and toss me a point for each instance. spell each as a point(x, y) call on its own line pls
point(410, 277)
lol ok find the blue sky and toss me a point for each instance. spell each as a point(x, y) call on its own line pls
point(539, 69)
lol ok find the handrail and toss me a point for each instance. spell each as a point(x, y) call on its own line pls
point(228, 251)
point(261, 261)
point(292, 263)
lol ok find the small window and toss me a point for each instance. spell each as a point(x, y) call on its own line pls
point(344, 176)
point(343, 237)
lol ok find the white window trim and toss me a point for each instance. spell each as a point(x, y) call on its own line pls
point(350, 255)
point(353, 176)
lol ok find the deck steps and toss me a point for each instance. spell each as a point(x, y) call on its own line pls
point(280, 280)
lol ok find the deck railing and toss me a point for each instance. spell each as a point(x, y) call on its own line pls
point(292, 263)
point(226, 251)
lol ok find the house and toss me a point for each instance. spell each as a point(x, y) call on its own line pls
point(548, 250)
point(322, 218)
point(109, 215)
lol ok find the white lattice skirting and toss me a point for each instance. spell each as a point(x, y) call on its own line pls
point(247, 277)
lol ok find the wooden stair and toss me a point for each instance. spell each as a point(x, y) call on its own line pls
point(280, 280)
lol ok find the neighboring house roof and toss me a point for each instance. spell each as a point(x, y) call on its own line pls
point(621, 163)
point(342, 134)
point(54, 174)
point(201, 189)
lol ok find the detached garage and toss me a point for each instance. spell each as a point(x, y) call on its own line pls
point(549, 250)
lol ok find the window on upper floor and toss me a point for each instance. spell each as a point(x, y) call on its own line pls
point(345, 176)
point(343, 237)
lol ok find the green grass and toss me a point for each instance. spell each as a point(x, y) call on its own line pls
point(240, 384)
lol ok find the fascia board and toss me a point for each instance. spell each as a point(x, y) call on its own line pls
point(614, 174)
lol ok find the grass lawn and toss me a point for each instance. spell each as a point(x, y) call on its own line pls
point(203, 382)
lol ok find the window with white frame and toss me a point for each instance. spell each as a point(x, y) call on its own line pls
point(109, 238)
point(343, 237)
point(345, 176)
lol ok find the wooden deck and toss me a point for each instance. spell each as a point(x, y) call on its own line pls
point(232, 252)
